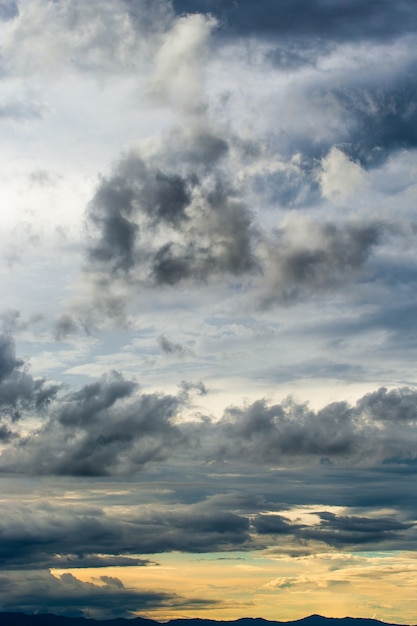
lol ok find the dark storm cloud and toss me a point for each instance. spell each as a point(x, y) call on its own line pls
point(219, 243)
point(324, 256)
point(5, 433)
point(273, 525)
point(398, 406)
point(41, 592)
point(8, 361)
point(197, 528)
point(339, 531)
point(44, 536)
point(38, 537)
point(86, 406)
point(343, 531)
point(269, 434)
point(178, 219)
point(346, 20)
point(117, 232)
point(19, 391)
point(172, 218)
point(104, 428)
point(380, 428)
point(110, 428)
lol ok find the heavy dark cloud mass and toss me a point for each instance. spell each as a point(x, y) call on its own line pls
point(78, 537)
point(172, 218)
point(188, 209)
point(110, 427)
point(103, 428)
point(67, 595)
point(19, 391)
point(189, 225)
point(381, 428)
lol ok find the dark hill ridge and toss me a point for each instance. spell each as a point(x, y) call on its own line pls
point(21, 619)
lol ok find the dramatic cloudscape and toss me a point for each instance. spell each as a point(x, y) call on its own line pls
point(208, 324)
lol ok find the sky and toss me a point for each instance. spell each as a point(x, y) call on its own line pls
point(208, 329)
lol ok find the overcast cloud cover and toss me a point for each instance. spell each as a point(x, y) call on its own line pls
point(208, 329)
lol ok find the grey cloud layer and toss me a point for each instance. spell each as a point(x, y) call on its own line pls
point(19, 391)
point(111, 427)
point(189, 209)
point(375, 430)
point(102, 429)
point(177, 218)
point(71, 537)
point(66, 595)
point(172, 217)
point(35, 538)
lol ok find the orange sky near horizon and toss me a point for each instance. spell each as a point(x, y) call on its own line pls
point(333, 584)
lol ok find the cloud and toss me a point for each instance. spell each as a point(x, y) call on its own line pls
point(343, 99)
point(252, 233)
point(118, 37)
point(65, 325)
point(340, 177)
point(173, 349)
point(105, 427)
point(19, 391)
point(8, 361)
point(339, 531)
point(42, 536)
point(70, 537)
point(340, 21)
point(110, 427)
point(372, 432)
point(22, 110)
point(353, 530)
point(273, 525)
point(198, 388)
point(106, 597)
point(198, 528)
point(178, 76)
point(171, 217)
point(380, 115)
point(304, 257)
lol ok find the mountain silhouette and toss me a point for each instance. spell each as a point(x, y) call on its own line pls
point(21, 619)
